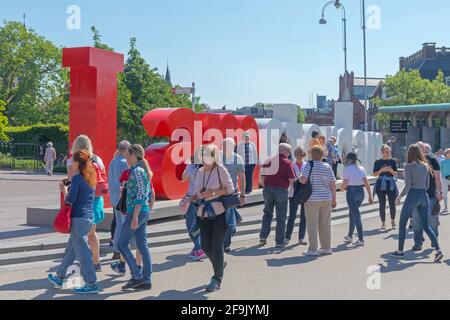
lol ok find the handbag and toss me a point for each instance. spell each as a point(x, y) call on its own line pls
point(302, 192)
point(122, 204)
point(62, 220)
point(231, 200)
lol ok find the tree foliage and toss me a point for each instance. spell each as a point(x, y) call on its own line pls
point(3, 122)
point(32, 81)
point(409, 88)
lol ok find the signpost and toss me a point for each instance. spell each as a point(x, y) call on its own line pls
point(186, 90)
point(399, 126)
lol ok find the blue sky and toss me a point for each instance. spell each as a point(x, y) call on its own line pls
point(240, 52)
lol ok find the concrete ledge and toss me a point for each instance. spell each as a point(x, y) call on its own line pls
point(163, 209)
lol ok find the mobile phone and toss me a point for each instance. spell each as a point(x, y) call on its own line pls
point(202, 190)
point(66, 182)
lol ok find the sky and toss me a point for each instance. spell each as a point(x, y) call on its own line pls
point(240, 52)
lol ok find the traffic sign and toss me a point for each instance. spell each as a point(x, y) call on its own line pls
point(399, 126)
point(182, 90)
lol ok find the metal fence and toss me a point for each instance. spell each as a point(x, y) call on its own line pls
point(20, 156)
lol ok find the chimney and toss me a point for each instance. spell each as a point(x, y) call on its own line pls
point(429, 50)
point(402, 62)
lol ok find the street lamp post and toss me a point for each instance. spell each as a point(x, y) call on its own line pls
point(363, 20)
point(338, 5)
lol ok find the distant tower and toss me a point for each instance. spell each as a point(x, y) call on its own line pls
point(167, 78)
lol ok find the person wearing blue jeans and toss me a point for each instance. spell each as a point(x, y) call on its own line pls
point(293, 209)
point(274, 198)
point(298, 163)
point(140, 200)
point(80, 198)
point(277, 175)
point(416, 199)
point(140, 235)
point(417, 183)
point(355, 179)
point(192, 226)
point(433, 221)
point(78, 248)
point(116, 168)
point(235, 166)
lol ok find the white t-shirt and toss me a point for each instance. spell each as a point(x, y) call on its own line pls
point(355, 175)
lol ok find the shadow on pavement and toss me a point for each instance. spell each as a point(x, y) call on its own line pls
point(289, 261)
point(31, 231)
point(172, 262)
point(255, 251)
point(392, 264)
point(197, 293)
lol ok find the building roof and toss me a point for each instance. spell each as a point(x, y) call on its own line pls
point(371, 82)
point(416, 108)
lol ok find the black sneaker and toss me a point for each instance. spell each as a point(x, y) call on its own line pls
point(227, 250)
point(397, 254)
point(262, 242)
point(416, 248)
point(133, 284)
point(98, 267)
point(145, 286)
point(410, 224)
point(438, 256)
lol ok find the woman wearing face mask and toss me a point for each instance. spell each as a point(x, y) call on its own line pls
point(212, 181)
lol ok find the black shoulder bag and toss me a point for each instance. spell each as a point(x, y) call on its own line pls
point(302, 192)
point(231, 200)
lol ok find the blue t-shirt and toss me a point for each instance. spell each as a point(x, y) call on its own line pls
point(81, 197)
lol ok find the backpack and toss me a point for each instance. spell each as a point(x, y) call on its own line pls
point(102, 181)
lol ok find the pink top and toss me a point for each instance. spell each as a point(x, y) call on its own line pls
point(201, 181)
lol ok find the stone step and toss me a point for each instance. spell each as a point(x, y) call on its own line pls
point(173, 238)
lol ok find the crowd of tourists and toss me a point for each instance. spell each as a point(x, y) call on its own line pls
point(221, 178)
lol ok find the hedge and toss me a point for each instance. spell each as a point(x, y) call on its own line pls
point(41, 134)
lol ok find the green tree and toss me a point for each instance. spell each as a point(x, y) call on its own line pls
point(300, 115)
point(409, 88)
point(32, 82)
point(3, 122)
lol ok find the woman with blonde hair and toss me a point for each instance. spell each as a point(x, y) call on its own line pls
point(385, 169)
point(417, 182)
point(212, 181)
point(82, 142)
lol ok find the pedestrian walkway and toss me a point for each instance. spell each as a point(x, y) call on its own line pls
point(266, 273)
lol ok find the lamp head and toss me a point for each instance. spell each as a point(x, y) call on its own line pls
point(337, 4)
point(323, 21)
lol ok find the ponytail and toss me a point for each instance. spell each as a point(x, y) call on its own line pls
point(144, 164)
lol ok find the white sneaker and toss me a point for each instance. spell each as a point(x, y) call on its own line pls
point(325, 252)
point(348, 239)
point(358, 243)
point(311, 253)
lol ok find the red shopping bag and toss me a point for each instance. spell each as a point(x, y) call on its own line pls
point(62, 220)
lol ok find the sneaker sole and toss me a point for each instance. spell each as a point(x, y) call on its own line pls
point(86, 293)
point(195, 259)
point(57, 286)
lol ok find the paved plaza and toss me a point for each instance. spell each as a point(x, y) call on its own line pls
point(252, 272)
